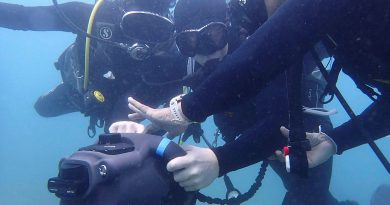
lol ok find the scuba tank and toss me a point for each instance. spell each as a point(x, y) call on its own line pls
point(120, 169)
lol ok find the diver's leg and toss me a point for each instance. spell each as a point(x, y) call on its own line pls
point(307, 191)
point(56, 102)
point(381, 196)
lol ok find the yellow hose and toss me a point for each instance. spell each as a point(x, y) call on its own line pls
point(88, 42)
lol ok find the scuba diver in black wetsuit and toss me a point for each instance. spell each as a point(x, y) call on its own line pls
point(262, 115)
point(356, 33)
point(145, 54)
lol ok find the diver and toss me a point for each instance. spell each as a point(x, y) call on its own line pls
point(204, 37)
point(381, 195)
point(131, 51)
point(358, 35)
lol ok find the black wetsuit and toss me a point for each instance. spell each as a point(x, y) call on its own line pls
point(262, 117)
point(362, 32)
point(131, 76)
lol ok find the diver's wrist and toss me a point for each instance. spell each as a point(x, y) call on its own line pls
point(177, 112)
point(329, 139)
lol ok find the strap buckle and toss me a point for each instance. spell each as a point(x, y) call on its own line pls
point(286, 152)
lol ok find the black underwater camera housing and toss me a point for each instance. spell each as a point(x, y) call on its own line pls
point(120, 169)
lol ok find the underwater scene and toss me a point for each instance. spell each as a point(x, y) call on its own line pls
point(49, 111)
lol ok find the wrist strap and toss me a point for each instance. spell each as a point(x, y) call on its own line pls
point(176, 111)
point(162, 146)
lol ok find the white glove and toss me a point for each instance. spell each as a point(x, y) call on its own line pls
point(196, 170)
point(322, 148)
point(126, 127)
point(162, 118)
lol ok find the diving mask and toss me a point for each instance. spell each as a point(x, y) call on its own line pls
point(204, 41)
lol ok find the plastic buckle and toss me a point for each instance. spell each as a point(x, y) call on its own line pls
point(286, 152)
point(296, 159)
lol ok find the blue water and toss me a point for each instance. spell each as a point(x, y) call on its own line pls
point(31, 146)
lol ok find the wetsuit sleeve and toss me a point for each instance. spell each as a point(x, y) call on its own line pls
point(254, 145)
point(376, 121)
point(43, 18)
point(287, 35)
point(263, 138)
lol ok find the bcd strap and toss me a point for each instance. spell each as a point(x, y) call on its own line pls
point(298, 144)
point(91, 131)
point(333, 77)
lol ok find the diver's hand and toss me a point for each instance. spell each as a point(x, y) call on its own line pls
point(162, 118)
point(126, 127)
point(322, 148)
point(196, 170)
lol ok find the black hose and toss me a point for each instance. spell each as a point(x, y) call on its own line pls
point(78, 30)
point(241, 198)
